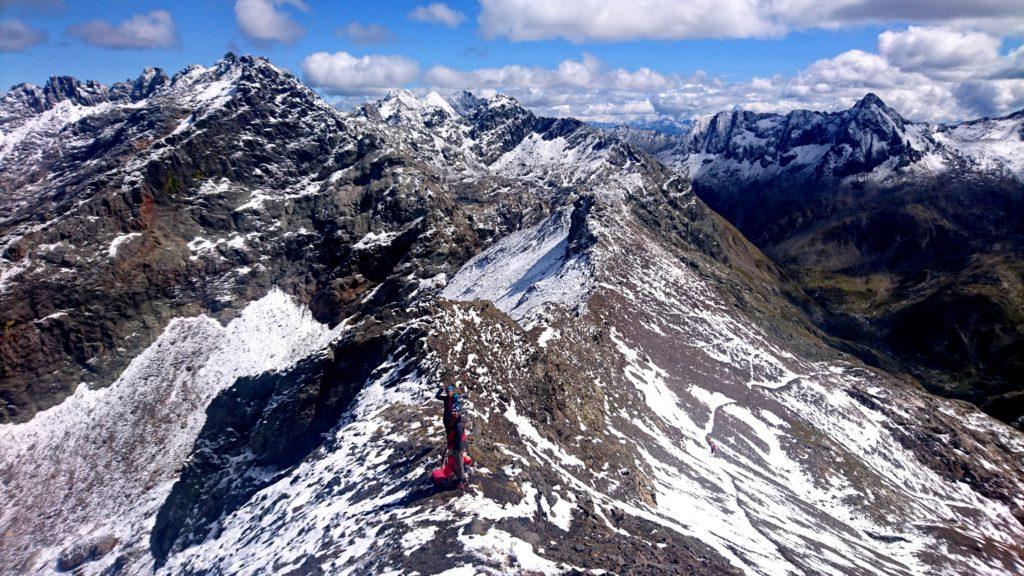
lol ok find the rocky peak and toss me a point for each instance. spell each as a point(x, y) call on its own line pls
point(22, 96)
point(871, 114)
point(500, 123)
point(400, 104)
point(230, 67)
point(870, 100)
point(872, 134)
point(463, 102)
point(435, 100)
point(58, 89)
point(67, 88)
point(248, 65)
point(249, 78)
point(151, 80)
point(798, 145)
point(186, 72)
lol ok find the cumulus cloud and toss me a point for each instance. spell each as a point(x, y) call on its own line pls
point(939, 50)
point(912, 71)
point(16, 36)
point(854, 67)
point(943, 71)
point(438, 13)
point(364, 33)
point(602, 20)
point(619, 20)
point(153, 29)
point(586, 73)
point(1000, 16)
point(268, 20)
point(585, 88)
point(991, 98)
point(344, 74)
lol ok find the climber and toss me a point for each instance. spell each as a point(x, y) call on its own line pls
point(454, 459)
point(457, 446)
point(453, 402)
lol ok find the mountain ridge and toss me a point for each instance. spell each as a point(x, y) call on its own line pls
point(888, 225)
point(274, 288)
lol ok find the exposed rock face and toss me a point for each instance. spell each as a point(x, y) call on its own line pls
point(90, 551)
point(908, 235)
point(325, 271)
point(229, 181)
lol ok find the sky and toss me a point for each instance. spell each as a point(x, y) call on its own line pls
point(601, 60)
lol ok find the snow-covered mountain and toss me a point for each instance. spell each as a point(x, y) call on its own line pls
point(870, 142)
point(909, 235)
point(227, 305)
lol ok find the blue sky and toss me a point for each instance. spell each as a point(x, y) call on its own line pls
point(599, 59)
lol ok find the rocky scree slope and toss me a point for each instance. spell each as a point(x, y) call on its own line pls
point(909, 235)
point(299, 279)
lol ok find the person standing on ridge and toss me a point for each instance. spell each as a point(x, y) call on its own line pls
point(455, 431)
point(457, 445)
point(452, 401)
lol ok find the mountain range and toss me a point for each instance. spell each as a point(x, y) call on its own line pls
point(227, 305)
point(909, 236)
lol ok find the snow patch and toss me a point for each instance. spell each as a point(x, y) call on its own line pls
point(104, 460)
point(119, 241)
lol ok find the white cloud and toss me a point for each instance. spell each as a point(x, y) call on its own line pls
point(267, 20)
point(629, 108)
point(854, 67)
point(603, 20)
point(933, 73)
point(16, 36)
point(586, 73)
point(364, 33)
point(991, 98)
point(619, 20)
point(939, 50)
point(838, 82)
point(153, 29)
point(585, 88)
point(999, 16)
point(343, 73)
point(438, 13)
point(588, 89)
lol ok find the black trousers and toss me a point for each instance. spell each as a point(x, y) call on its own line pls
point(460, 466)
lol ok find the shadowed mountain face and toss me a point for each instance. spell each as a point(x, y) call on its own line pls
point(910, 236)
point(260, 294)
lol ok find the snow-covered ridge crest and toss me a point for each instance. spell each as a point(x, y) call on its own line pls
point(527, 271)
point(29, 113)
point(404, 105)
point(769, 498)
point(103, 461)
point(498, 136)
point(991, 144)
